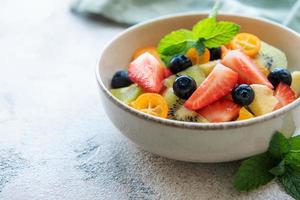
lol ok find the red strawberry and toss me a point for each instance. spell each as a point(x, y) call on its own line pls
point(218, 84)
point(248, 72)
point(167, 72)
point(223, 110)
point(284, 94)
point(147, 72)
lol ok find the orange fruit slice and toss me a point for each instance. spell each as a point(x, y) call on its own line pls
point(245, 114)
point(152, 104)
point(248, 43)
point(149, 49)
point(197, 58)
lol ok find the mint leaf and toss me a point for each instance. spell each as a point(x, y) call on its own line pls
point(165, 59)
point(260, 169)
point(199, 46)
point(221, 34)
point(204, 27)
point(206, 33)
point(279, 145)
point(279, 169)
point(215, 33)
point(177, 42)
point(293, 159)
point(291, 182)
point(295, 142)
point(254, 172)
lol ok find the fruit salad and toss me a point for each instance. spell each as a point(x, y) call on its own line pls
point(212, 73)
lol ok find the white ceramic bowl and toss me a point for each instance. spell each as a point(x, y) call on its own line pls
point(196, 142)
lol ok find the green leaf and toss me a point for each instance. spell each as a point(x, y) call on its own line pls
point(293, 159)
point(295, 142)
point(165, 59)
point(177, 42)
point(204, 27)
point(254, 172)
point(215, 33)
point(291, 182)
point(279, 169)
point(206, 33)
point(279, 145)
point(200, 46)
point(221, 34)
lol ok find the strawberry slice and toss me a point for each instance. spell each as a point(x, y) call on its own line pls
point(284, 94)
point(218, 84)
point(223, 110)
point(248, 72)
point(147, 72)
point(167, 72)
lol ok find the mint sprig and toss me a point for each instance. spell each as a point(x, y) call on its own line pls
point(221, 33)
point(206, 33)
point(281, 161)
point(278, 146)
point(279, 169)
point(291, 182)
point(177, 42)
point(254, 172)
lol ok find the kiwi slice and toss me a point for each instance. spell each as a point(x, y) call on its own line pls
point(127, 94)
point(176, 109)
point(170, 97)
point(195, 72)
point(183, 114)
point(208, 67)
point(168, 82)
point(271, 57)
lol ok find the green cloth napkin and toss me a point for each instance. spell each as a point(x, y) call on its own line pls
point(286, 12)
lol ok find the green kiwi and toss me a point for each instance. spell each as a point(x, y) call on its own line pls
point(271, 57)
point(168, 82)
point(170, 97)
point(176, 109)
point(195, 72)
point(127, 94)
point(208, 67)
point(183, 114)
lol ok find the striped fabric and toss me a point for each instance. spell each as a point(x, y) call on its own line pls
point(286, 12)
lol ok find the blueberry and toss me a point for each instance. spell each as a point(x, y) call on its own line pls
point(184, 86)
point(179, 63)
point(280, 75)
point(243, 95)
point(215, 53)
point(120, 79)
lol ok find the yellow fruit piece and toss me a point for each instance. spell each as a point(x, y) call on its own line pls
point(197, 58)
point(296, 82)
point(208, 67)
point(245, 114)
point(152, 104)
point(262, 68)
point(248, 43)
point(264, 102)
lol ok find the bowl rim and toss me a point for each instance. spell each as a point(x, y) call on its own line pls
point(192, 125)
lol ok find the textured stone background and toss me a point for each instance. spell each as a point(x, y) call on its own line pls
point(56, 142)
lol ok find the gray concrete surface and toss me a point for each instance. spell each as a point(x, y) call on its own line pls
point(56, 142)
